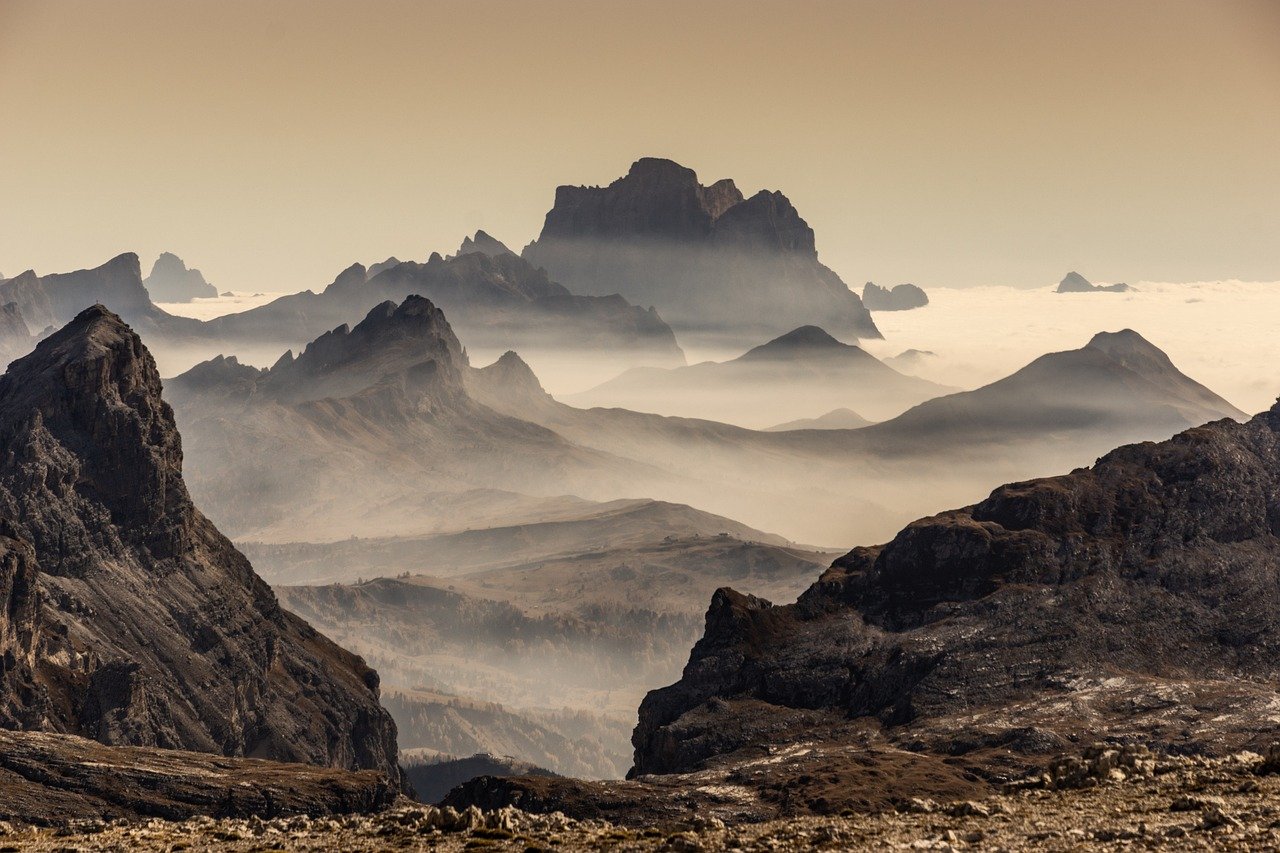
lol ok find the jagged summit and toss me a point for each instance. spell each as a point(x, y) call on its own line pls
point(130, 619)
point(410, 341)
point(708, 258)
point(483, 244)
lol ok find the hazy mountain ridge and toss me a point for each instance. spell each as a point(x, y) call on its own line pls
point(804, 371)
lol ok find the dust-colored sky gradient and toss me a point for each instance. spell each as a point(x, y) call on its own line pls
point(271, 143)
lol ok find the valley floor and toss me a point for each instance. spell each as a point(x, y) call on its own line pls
point(1170, 803)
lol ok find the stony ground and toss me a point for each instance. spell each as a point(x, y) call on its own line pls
point(1105, 800)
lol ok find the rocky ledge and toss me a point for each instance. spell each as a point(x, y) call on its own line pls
point(55, 780)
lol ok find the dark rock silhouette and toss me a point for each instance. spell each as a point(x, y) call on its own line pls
point(902, 297)
point(129, 618)
point(1073, 282)
point(432, 779)
point(710, 260)
point(171, 281)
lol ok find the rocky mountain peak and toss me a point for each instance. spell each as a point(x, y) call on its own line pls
point(483, 244)
point(349, 281)
point(171, 281)
point(706, 257)
point(93, 386)
point(151, 629)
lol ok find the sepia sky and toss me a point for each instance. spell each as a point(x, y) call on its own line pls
point(272, 142)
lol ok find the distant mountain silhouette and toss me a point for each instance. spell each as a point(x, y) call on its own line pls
point(171, 281)
point(834, 419)
point(710, 260)
point(1076, 283)
point(799, 372)
point(902, 297)
point(1118, 383)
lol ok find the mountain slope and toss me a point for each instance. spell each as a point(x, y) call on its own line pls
point(1118, 384)
point(130, 619)
point(712, 261)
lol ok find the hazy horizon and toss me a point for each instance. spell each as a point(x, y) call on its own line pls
point(271, 144)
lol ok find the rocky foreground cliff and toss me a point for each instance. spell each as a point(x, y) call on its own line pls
point(1136, 600)
point(126, 618)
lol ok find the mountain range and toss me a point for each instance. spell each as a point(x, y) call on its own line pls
point(801, 373)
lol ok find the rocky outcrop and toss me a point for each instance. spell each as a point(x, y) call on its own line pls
point(434, 777)
point(151, 629)
point(483, 244)
point(1073, 282)
point(1133, 601)
point(902, 297)
point(171, 281)
point(53, 779)
point(709, 259)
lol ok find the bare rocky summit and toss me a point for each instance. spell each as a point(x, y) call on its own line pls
point(710, 259)
point(125, 616)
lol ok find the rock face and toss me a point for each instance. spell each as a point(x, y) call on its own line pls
point(50, 779)
point(1134, 600)
point(129, 618)
point(1073, 282)
point(171, 281)
point(496, 300)
point(903, 297)
point(483, 244)
point(709, 259)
